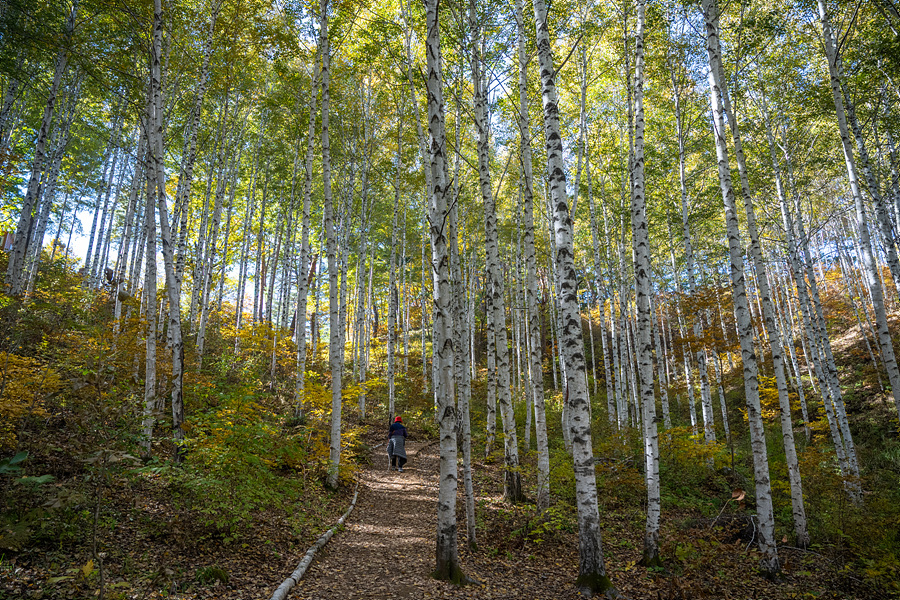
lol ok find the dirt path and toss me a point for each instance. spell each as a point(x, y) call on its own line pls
point(387, 547)
point(386, 550)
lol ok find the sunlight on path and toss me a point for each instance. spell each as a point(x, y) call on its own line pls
point(386, 550)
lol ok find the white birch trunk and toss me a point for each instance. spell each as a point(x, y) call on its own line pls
point(189, 151)
point(661, 371)
point(462, 357)
point(150, 315)
point(304, 260)
point(767, 545)
point(335, 349)
point(157, 154)
point(48, 192)
point(512, 480)
point(16, 269)
point(872, 280)
point(447, 557)
point(884, 337)
point(535, 354)
point(641, 244)
point(592, 570)
point(491, 360)
point(764, 295)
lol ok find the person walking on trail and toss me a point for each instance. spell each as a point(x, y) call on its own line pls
point(396, 447)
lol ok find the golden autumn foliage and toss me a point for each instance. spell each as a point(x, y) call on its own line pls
point(25, 383)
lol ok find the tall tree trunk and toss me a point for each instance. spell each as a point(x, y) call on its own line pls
point(512, 480)
point(305, 264)
point(592, 570)
point(768, 311)
point(150, 393)
point(767, 545)
point(48, 192)
point(447, 557)
point(15, 271)
point(335, 348)
point(131, 219)
point(189, 150)
point(641, 243)
point(461, 354)
point(157, 154)
point(870, 267)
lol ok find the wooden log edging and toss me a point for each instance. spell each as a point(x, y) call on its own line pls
point(288, 584)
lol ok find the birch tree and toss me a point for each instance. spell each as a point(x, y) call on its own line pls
point(865, 243)
point(535, 362)
point(591, 568)
point(335, 347)
point(769, 562)
point(642, 285)
point(15, 270)
point(512, 480)
point(446, 550)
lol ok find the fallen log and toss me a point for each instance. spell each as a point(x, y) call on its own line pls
point(288, 584)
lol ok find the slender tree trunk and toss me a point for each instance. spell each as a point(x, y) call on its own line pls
point(461, 355)
point(157, 154)
point(874, 284)
point(774, 339)
point(447, 557)
point(592, 570)
point(661, 363)
point(48, 193)
point(150, 396)
point(491, 360)
point(15, 271)
point(512, 481)
point(305, 264)
point(767, 545)
point(189, 150)
point(642, 285)
point(335, 349)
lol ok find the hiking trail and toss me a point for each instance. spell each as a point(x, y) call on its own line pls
point(386, 549)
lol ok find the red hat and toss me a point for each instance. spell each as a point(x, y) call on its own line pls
point(398, 420)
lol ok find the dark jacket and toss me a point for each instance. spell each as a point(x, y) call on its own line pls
point(397, 429)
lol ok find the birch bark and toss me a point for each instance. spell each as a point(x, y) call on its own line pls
point(512, 480)
point(157, 154)
point(15, 271)
point(865, 243)
point(592, 570)
point(335, 348)
point(774, 339)
point(189, 151)
point(446, 549)
point(304, 260)
point(150, 393)
point(767, 545)
point(641, 244)
point(47, 195)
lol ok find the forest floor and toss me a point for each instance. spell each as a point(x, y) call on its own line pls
point(386, 550)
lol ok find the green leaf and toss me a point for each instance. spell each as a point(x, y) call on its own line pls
point(35, 481)
point(10, 465)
